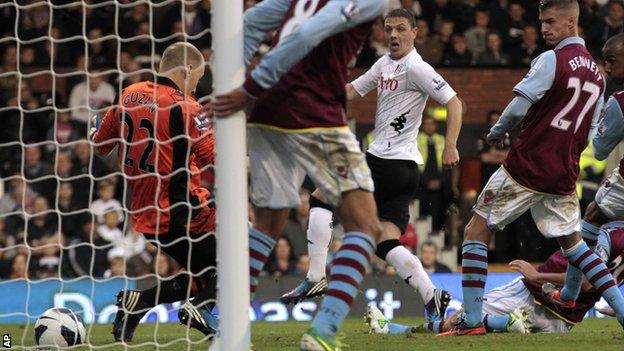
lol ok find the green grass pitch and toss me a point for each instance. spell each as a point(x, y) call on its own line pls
point(591, 335)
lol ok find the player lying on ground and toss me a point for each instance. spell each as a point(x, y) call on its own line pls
point(163, 143)
point(559, 103)
point(519, 306)
point(404, 82)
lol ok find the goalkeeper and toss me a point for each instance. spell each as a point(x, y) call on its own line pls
point(163, 142)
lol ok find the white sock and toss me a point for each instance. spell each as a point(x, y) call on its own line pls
point(319, 236)
point(410, 269)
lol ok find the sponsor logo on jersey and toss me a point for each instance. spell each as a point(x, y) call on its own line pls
point(438, 83)
point(399, 123)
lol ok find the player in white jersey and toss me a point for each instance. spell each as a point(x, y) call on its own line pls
point(404, 82)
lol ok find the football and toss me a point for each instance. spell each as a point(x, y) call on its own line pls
point(59, 327)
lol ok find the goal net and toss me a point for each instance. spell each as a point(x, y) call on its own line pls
point(66, 231)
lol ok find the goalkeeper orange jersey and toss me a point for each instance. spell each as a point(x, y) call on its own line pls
point(164, 140)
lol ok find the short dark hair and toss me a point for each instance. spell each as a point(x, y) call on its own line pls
point(562, 4)
point(403, 13)
point(616, 41)
point(430, 243)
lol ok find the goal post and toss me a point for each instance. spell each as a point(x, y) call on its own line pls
point(231, 183)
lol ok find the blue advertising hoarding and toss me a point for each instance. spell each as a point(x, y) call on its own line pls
point(94, 300)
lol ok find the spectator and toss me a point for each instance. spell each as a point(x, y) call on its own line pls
point(34, 169)
point(436, 189)
point(493, 55)
point(613, 24)
point(88, 98)
point(129, 73)
point(195, 17)
point(64, 131)
point(459, 56)
point(35, 120)
point(27, 57)
point(444, 34)
point(528, 50)
point(141, 45)
point(116, 264)
point(303, 265)
point(47, 261)
point(429, 48)
point(375, 47)
point(589, 13)
point(19, 267)
point(106, 202)
point(17, 199)
point(66, 205)
point(41, 222)
point(429, 259)
point(99, 51)
point(109, 230)
point(55, 54)
point(513, 33)
point(88, 253)
point(282, 260)
point(86, 163)
point(476, 34)
point(499, 15)
point(491, 156)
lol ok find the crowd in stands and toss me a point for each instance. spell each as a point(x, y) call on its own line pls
point(63, 211)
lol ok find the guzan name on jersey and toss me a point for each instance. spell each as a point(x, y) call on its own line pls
point(403, 87)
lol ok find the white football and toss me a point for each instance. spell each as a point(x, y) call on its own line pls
point(59, 327)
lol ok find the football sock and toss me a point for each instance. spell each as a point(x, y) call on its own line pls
point(496, 323)
point(474, 275)
point(583, 258)
point(435, 326)
point(167, 291)
point(260, 246)
point(394, 328)
point(346, 274)
point(574, 276)
point(590, 233)
point(410, 269)
point(319, 236)
point(208, 294)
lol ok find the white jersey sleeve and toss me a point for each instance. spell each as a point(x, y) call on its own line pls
point(369, 80)
point(421, 76)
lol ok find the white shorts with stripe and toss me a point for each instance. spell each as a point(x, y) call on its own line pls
point(507, 298)
point(610, 195)
point(280, 160)
point(503, 200)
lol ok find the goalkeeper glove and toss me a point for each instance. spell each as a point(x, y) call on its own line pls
point(96, 121)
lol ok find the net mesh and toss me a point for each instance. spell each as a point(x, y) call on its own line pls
point(66, 235)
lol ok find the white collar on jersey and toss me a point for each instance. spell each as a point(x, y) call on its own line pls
point(569, 41)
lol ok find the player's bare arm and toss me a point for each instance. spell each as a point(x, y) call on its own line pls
point(450, 155)
point(530, 273)
point(352, 94)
